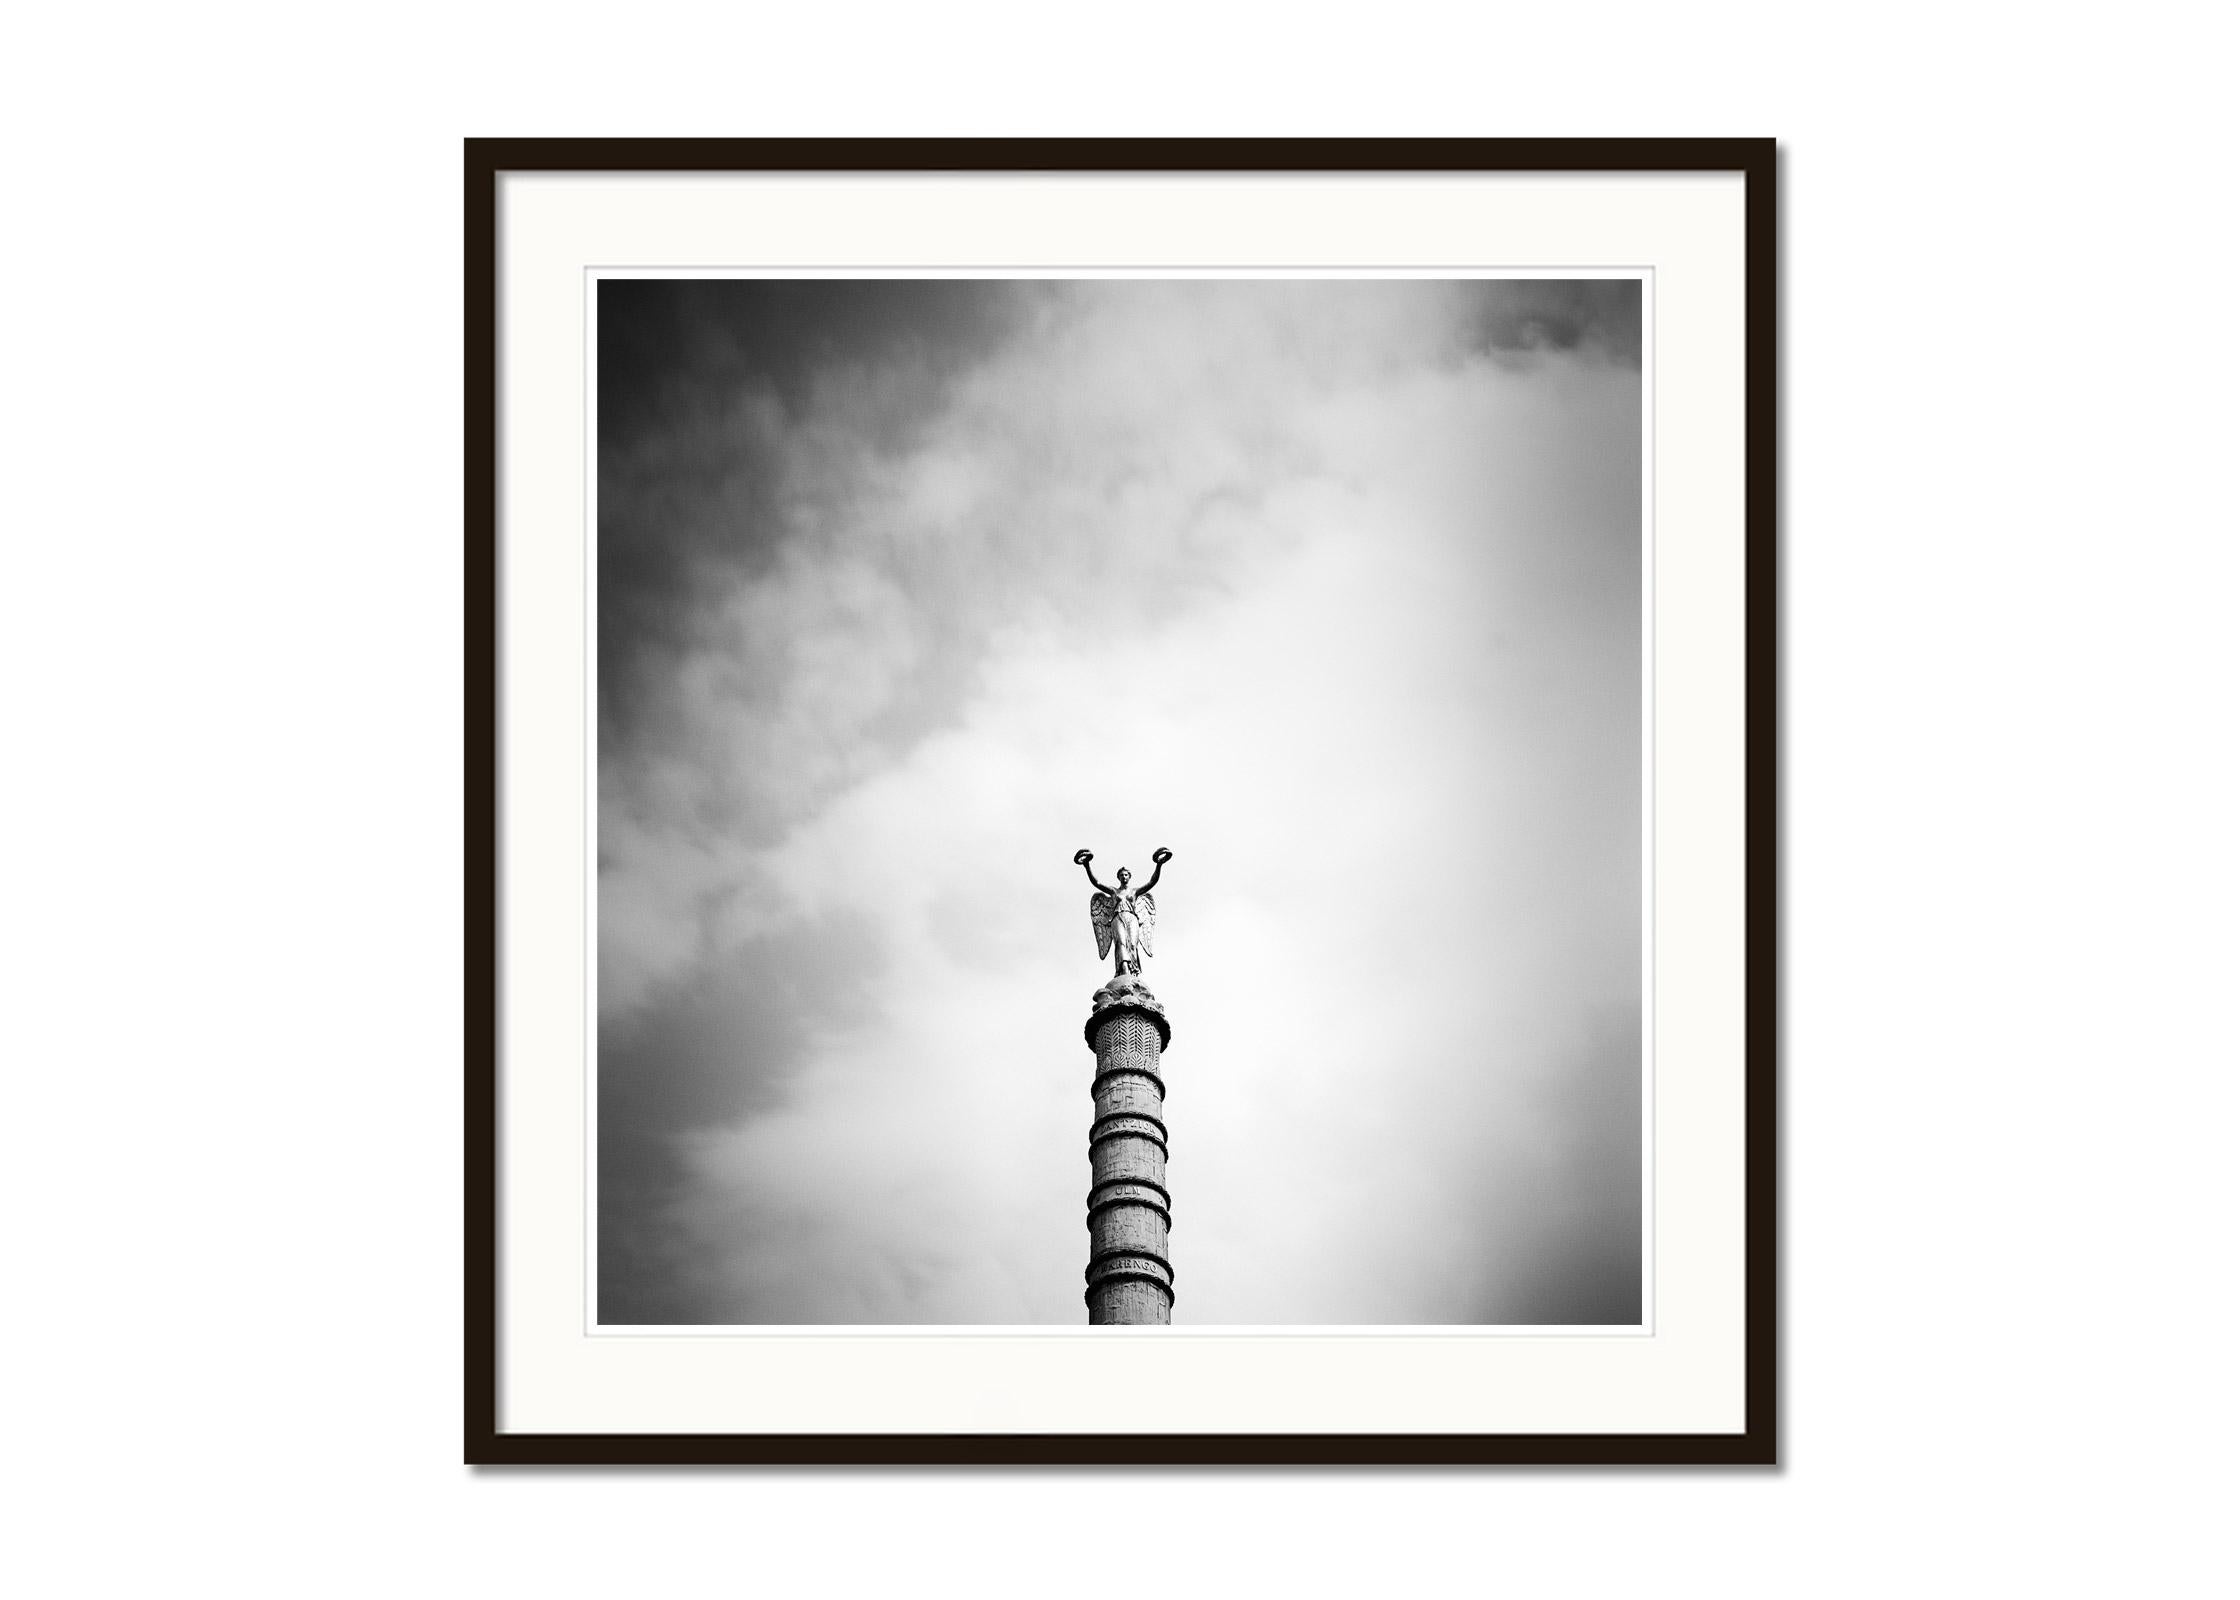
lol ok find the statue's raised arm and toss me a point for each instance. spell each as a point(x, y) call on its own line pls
point(1081, 859)
point(1159, 859)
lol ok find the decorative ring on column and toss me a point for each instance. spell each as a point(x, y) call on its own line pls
point(1118, 1183)
point(1107, 1265)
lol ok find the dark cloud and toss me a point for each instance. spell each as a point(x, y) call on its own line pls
point(701, 385)
point(717, 1046)
point(1598, 316)
point(670, 349)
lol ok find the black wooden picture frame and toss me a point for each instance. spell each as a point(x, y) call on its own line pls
point(488, 163)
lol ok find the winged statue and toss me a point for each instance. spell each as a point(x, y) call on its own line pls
point(1123, 918)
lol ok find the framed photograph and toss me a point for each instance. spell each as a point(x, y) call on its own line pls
point(1122, 801)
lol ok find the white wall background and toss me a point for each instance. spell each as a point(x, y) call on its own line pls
point(229, 646)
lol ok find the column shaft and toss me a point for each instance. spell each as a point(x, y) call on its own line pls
point(1130, 1277)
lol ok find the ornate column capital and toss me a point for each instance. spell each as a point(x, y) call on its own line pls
point(1119, 996)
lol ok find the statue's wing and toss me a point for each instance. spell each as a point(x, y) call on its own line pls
point(1101, 907)
point(1147, 917)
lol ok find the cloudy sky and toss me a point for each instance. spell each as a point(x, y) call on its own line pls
point(908, 590)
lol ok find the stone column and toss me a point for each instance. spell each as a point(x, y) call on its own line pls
point(1130, 1279)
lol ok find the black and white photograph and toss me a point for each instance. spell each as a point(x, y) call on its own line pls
point(1120, 800)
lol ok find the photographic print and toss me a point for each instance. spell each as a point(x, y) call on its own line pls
point(1119, 800)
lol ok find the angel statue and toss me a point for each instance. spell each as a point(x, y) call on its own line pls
point(1123, 917)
